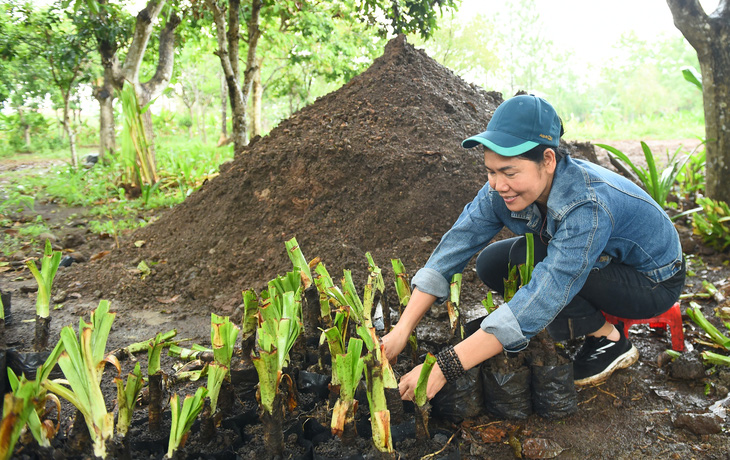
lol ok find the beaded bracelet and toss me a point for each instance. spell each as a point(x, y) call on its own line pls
point(450, 364)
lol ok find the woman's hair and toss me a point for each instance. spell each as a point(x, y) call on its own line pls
point(537, 154)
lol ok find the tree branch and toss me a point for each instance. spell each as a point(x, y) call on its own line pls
point(222, 51)
point(155, 85)
point(142, 31)
point(691, 20)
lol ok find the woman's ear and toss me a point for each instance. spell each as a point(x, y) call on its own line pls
point(549, 160)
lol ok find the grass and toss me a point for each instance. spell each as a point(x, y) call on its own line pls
point(183, 166)
point(677, 125)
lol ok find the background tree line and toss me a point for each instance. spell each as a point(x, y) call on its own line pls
point(236, 68)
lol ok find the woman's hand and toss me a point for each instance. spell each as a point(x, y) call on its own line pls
point(408, 382)
point(394, 342)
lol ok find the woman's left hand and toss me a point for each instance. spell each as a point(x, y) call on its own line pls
point(408, 382)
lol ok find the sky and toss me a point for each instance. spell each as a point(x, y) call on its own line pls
point(592, 27)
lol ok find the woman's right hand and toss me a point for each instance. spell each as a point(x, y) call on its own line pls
point(394, 342)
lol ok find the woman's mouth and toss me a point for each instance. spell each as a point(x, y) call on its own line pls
point(509, 199)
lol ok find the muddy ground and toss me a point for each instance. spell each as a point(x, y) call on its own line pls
point(373, 167)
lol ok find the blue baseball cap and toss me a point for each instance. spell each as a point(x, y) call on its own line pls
point(518, 125)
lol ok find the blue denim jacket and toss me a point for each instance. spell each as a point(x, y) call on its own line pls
point(594, 217)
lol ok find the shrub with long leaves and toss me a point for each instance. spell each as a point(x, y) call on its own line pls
point(658, 184)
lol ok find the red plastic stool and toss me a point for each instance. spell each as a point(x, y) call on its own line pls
point(671, 318)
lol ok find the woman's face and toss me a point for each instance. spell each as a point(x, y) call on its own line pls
point(520, 182)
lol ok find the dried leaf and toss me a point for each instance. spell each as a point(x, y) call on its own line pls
point(541, 448)
point(139, 243)
point(169, 300)
point(98, 255)
point(491, 434)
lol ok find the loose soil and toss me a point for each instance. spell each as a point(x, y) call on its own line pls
point(377, 167)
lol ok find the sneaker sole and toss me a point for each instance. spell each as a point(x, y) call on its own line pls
point(622, 362)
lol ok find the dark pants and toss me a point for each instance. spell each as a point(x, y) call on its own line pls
point(617, 289)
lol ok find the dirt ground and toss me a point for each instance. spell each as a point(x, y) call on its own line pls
point(373, 167)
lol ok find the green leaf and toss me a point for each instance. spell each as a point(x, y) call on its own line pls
point(420, 396)
point(299, 262)
point(183, 416)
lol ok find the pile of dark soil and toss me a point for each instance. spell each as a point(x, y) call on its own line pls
point(375, 166)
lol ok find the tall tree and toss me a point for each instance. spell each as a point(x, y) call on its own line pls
point(709, 35)
point(66, 50)
point(52, 34)
point(259, 16)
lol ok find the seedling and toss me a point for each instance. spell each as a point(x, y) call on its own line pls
point(374, 292)
point(49, 266)
point(223, 335)
point(402, 287)
point(379, 413)
point(154, 377)
point(488, 303)
point(279, 329)
point(127, 398)
point(348, 368)
point(423, 407)
point(298, 260)
point(182, 418)
point(22, 406)
point(713, 224)
point(250, 322)
point(452, 305)
point(82, 363)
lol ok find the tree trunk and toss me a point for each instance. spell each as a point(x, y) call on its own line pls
point(26, 126)
point(107, 140)
point(69, 131)
point(228, 54)
point(256, 102)
point(224, 109)
point(708, 35)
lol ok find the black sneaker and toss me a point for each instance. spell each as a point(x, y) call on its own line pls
point(599, 357)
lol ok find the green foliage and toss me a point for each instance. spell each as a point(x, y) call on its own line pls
point(713, 224)
point(406, 17)
point(420, 396)
point(183, 416)
point(691, 179)
point(693, 76)
point(657, 184)
point(695, 314)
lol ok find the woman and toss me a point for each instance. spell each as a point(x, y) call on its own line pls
point(602, 245)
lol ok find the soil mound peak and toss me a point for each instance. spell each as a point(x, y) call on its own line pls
point(374, 166)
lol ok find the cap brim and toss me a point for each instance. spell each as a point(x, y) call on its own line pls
point(500, 143)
